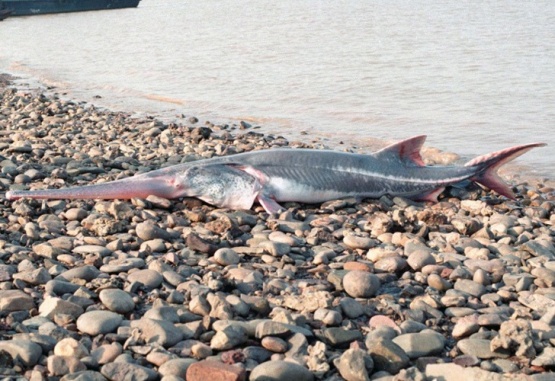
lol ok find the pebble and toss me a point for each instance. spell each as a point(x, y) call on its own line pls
point(154, 246)
point(15, 300)
point(338, 336)
point(106, 353)
point(86, 273)
point(149, 278)
point(437, 282)
point(62, 365)
point(546, 358)
point(201, 351)
point(148, 231)
point(271, 328)
point(165, 313)
point(355, 365)
point(98, 322)
point(161, 332)
point(177, 368)
point(92, 249)
point(480, 348)
point(515, 335)
point(424, 343)
point(86, 375)
point(351, 308)
point(214, 370)
point(393, 264)
point(34, 277)
point(256, 353)
point(274, 344)
point(378, 321)
point(456, 372)
point(387, 355)
point(123, 266)
point(328, 317)
point(537, 302)
point(69, 347)
point(466, 326)
point(420, 258)
point(361, 284)
point(358, 242)
point(26, 351)
point(156, 288)
point(75, 214)
point(56, 306)
point(117, 300)
point(280, 370)
point(470, 287)
point(226, 257)
point(229, 337)
point(126, 371)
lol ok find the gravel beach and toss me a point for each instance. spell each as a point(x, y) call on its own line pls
point(172, 290)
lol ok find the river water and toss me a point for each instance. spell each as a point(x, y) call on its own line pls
point(475, 76)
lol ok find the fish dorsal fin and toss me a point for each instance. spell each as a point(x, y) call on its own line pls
point(407, 150)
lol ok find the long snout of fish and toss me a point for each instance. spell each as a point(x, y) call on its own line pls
point(140, 186)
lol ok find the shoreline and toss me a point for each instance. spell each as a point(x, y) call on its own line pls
point(516, 171)
point(175, 290)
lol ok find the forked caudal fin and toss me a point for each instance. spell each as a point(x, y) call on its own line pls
point(487, 166)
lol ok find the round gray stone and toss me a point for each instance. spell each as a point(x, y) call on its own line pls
point(354, 365)
point(226, 257)
point(361, 284)
point(420, 344)
point(280, 370)
point(176, 367)
point(419, 259)
point(470, 287)
point(150, 278)
point(87, 273)
point(229, 337)
point(27, 351)
point(162, 332)
point(117, 300)
point(86, 375)
point(126, 371)
point(98, 322)
point(15, 300)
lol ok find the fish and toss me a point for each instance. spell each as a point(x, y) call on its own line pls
point(275, 176)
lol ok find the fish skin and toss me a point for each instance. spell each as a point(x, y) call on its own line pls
point(300, 175)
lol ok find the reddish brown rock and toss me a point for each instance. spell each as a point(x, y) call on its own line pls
point(194, 242)
point(215, 371)
point(357, 266)
point(382, 320)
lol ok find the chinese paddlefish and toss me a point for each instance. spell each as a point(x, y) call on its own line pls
point(301, 175)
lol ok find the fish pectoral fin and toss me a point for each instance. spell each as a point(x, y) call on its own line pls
point(240, 203)
point(251, 170)
point(407, 150)
point(431, 195)
point(269, 204)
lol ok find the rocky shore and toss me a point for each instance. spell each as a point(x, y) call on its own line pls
point(174, 290)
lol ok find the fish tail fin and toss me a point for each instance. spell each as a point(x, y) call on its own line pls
point(487, 166)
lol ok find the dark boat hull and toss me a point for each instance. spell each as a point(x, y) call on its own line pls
point(37, 7)
point(4, 13)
